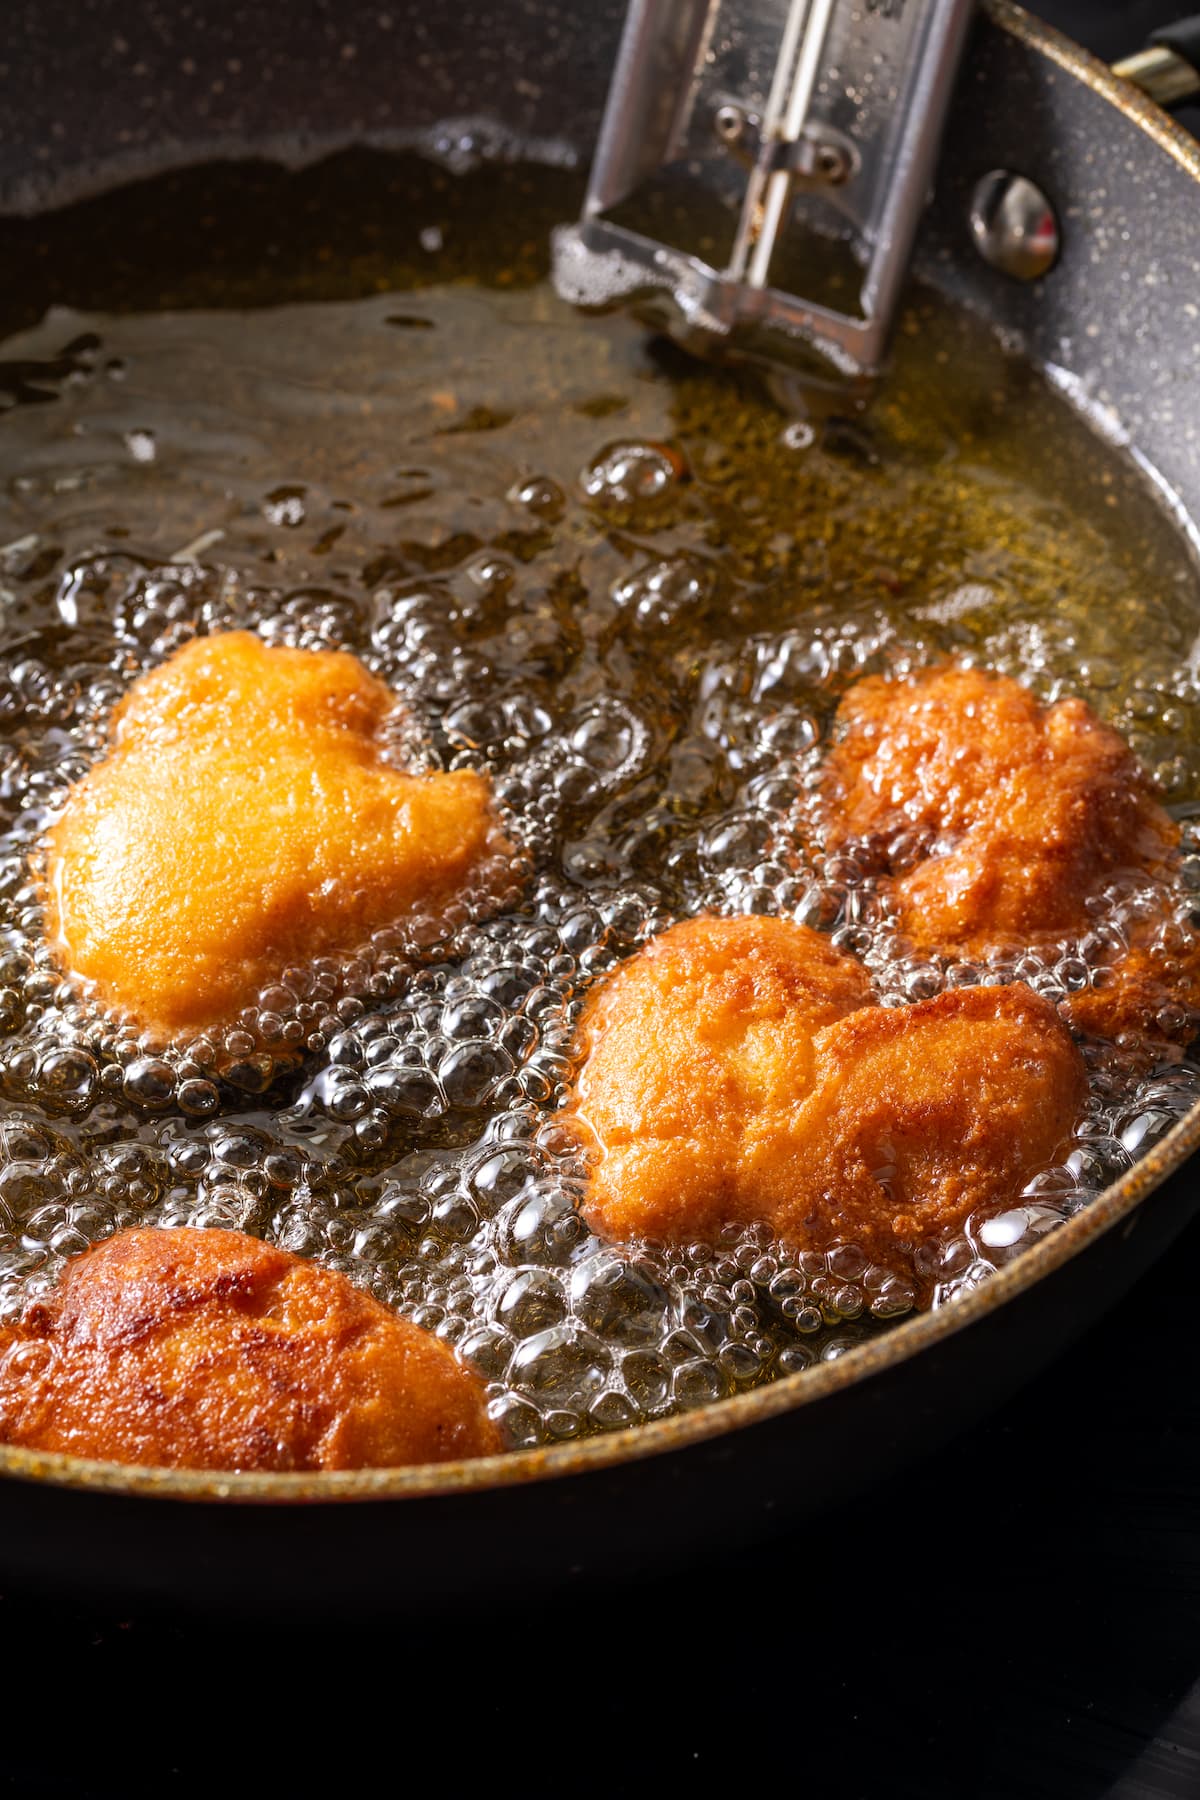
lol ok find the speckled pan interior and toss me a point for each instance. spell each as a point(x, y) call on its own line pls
point(1116, 327)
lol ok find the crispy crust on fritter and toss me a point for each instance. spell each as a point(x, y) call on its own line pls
point(1000, 822)
point(740, 1070)
point(211, 1350)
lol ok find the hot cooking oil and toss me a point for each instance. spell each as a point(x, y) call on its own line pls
point(344, 408)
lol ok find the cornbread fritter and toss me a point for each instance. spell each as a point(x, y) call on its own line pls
point(740, 1069)
point(1000, 821)
point(244, 822)
point(210, 1350)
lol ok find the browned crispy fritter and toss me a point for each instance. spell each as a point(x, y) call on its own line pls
point(211, 1350)
point(999, 820)
point(739, 1069)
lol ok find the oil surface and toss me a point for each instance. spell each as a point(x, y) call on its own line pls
point(344, 408)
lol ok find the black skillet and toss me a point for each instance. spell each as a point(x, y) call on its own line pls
point(90, 99)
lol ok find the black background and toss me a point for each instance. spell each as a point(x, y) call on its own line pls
point(1021, 1618)
point(1112, 28)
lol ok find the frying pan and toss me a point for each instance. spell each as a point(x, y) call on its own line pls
point(88, 99)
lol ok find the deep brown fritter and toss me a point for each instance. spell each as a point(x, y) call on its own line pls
point(244, 822)
point(1000, 821)
point(739, 1069)
point(211, 1350)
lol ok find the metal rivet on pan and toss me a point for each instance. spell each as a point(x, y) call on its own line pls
point(1014, 225)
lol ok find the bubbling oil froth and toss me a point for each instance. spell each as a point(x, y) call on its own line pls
point(417, 1148)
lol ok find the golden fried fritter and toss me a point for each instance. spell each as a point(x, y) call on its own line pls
point(999, 820)
point(1151, 992)
point(211, 1350)
point(740, 1069)
point(942, 1108)
point(244, 822)
point(1036, 806)
point(707, 1028)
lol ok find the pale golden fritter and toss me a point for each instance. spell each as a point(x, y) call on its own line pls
point(739, 1069)
point(244, 822)
point(999, 820)
point(211, 1350)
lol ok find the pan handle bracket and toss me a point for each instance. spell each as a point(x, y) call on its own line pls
point(761, 169)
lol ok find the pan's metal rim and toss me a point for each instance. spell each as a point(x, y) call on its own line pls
point(1118, 1205)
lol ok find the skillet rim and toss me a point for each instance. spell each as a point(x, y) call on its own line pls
point(1119, 1203)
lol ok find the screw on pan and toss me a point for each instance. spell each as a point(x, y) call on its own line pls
point(832, 163)
point(1013, 225)
point(729, 123)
